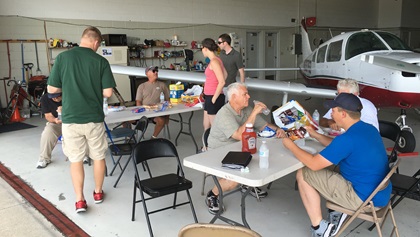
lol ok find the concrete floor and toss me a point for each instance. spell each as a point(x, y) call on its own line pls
point(280, 214)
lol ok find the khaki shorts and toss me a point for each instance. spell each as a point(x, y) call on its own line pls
point(80, 137)
point(333, 187)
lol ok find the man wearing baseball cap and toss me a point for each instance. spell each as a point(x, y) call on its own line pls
point(148, 93)
point(50, 105)
point(363, 162)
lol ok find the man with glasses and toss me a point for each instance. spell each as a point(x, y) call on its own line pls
point(148, 93)
point(232, 60)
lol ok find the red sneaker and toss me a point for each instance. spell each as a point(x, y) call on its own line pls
point(98, 197)
point(81, 206)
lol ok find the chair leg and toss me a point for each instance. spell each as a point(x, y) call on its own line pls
point(146, 213)
point(122, 172)
point(115, 165)
point(395, 228)
point(269, 185)
point(192, 206)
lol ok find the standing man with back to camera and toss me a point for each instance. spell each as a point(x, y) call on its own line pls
point(84, 78)
point(232, 61)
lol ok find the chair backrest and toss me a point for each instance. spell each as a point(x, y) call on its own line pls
point(384, 183)
point(210, 230)
point(205, 138)
point(141, 126)
point(154, 148)
point(391, 131)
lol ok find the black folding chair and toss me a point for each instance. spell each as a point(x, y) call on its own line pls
point(162, 185)
point(126, 149)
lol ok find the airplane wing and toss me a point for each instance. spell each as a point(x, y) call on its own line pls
point(391, 63)
point(199, 78)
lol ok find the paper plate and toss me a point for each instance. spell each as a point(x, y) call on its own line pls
point(266, 134)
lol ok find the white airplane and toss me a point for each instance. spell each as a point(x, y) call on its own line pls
point(387, 70)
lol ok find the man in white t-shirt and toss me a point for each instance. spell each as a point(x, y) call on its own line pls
point(369, 111)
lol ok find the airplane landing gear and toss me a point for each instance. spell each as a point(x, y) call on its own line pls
point(407, 141)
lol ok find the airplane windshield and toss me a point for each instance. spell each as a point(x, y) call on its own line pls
point(393, 41)
point(363, 42)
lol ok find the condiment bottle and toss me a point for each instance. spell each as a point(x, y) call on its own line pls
point(249, 139)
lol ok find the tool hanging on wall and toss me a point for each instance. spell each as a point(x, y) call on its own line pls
point(38, 70)
point(23, 67)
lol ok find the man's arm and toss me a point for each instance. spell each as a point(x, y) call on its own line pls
point(242, 74)
point(279, 132)
point(313, 162)
point(50, 118)
point(107, 92)
point(138, 103)
point(251, 119)
point(52, 89)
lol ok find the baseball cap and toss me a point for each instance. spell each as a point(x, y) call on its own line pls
point(54, 95)
point(346, 101)
point(151, 68)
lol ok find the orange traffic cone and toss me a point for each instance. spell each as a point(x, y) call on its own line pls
point(16, 115)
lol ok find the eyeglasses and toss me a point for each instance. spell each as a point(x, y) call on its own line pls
point(220, 42)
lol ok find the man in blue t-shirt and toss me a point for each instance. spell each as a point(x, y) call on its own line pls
point(363, 165)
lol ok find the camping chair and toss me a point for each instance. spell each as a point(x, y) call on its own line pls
point(126, 149)
point(211, 230)
point(367, 210)
point(159, 186)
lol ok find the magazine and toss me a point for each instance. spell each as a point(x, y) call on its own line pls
point(293, 118)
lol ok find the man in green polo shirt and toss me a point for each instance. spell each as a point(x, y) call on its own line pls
point(84, 78)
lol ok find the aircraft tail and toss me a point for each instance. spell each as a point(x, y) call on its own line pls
point(306, 47)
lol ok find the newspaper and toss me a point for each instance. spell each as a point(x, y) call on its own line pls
point(293, 118)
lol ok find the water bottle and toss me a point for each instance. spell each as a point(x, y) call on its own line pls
point(249, 139)
point(105, 106)
point(264, 153)
point(315, 116)
point(162, 97)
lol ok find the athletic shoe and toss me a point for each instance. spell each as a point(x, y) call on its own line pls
point(98, 197)
point(255, 192)
point(212, 203)
point(325, 229)
point(86, 160)
point(337, 218)
point(81, 206)
point(42, 164)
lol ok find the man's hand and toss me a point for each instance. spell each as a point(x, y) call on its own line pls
point(333, 125)
point(58, 121)
point(280, 133)
point(259, 107)
point(59, 109)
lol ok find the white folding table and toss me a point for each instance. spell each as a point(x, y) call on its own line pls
point(282, 162)
point(128, 115)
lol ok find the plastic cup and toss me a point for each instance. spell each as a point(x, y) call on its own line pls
point(266, 111)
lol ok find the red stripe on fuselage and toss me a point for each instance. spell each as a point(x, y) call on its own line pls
point(378, 96)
